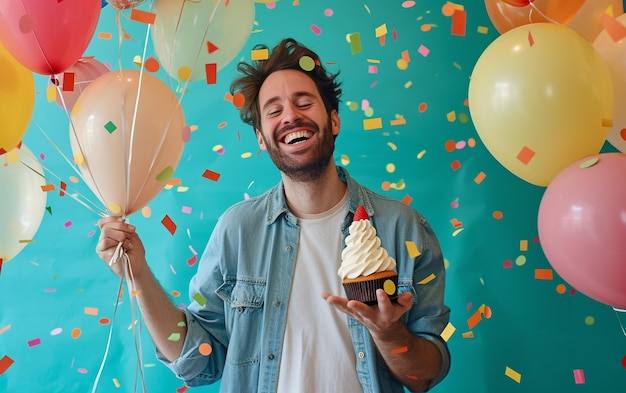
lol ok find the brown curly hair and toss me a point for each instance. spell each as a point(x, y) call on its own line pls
point(284, 56)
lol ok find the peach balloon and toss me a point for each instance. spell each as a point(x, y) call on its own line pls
point(127, 138)
point(84, 71)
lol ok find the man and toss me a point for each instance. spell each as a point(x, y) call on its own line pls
point(257, 322)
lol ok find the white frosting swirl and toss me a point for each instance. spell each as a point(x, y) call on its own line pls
point(363, 254)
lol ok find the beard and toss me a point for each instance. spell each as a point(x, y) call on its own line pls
point(310, 167)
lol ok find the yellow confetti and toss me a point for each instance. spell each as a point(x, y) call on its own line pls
point(469, 334)
point(390, 168)
point(451, 116)
point(523, 245)
point(457, 232)
point(372, 124)
point(411, 247)
point(260, 54)
point(246, 155)
point(482, 30)
point(392, 146)
point(51, 93)
point(114, 207)
point(514, 375)
point(426, 280)
point(448, 331)
point(345, 160)
point(421, 154)
point(381, 30)
point(116, 383)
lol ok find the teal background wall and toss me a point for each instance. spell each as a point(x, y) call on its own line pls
point(57, 284)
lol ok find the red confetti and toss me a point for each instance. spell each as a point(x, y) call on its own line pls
point(68, 81)
point(63, 186)
point(459, 21)
point(400, 350)
point(208, 174)
point(211, 47)
point(211, 73)
point(169, 224)
point(5, 363)
point(181, 389)
point(531, 40)
point(623, 362)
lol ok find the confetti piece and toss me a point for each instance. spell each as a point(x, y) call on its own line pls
point(459, 20)
point(456, 223)
point(174, 337)
point(469, 334)
point(422, 50)
point(448, 331)
point(381, 30)
point(47, 187)
point(105, 36)
point(211, 47)
point(514, 375)
point(210, 69)
point(51, 94)
point(427, 279)
point(205, 349)
point(181, 389)
point(5, 363)
point(407, 199)
point(7, 327)
point(531, 40)
point(166, 174)
point(91, 311)
point(239, 100)
point(169, 224)
point(151, 64)
point(579, 376)
point(34, 342)
point(316, 30)
point(507, 264)
point(372, 124)
point(192, 261)
point(75, 333)
point(412, 249)
point(480, 177)
point(397, 351)
point(498, 215)
point(116, 383)
point(259, 54)
point(110, 127)
point(114, 208)
point(398, 122)
point(307, 63)
point(474, 319)
point(455, 165)
point(372, 69)
point(355, 43)
point(142, 16)
point(482, 30)
point(589, 163)
point(184, 73)
point(67, 223)
point(208, 174)
point(523, 245)
point(199, 299)
point(543, 274)
point(68, 81)
point(525, 155)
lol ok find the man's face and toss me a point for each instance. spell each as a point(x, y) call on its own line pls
point(295, 128)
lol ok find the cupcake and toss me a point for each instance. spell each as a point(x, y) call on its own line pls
point(365, 265)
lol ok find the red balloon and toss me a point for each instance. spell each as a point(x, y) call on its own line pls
point(48, 37)
point(582, 227)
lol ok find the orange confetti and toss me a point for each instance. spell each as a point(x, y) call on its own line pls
point(407, 199)
point(151, 64)
point(105, 36)
point(450, 146)
point(400, 350)
point(142, 16)
point(473, 320)
point(543, 274)
point(456, 165)
point(239, 100)
point(75, 333)
point(480, 177)
point(613, 27)
point(208, 174)
point(422, 107)
point(525, 155)
point(47, 187)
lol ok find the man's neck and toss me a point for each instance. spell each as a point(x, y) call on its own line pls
point(314, 196)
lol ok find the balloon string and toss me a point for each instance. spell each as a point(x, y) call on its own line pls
point(97, 191)
point(534, 7)
point(617, 311)
point(71, 166)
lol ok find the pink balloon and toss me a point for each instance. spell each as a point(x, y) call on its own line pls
point(582, 227)
point(48, 37)
point(85, 71)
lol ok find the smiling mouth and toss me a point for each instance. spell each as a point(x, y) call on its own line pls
point(297, 137)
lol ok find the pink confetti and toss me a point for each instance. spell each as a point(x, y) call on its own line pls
point(372, 69)
point(422, 50)
point(34, 342)
point(68, 223)
point(186, 209)
point(316, 30)
point(507, 264)
point(579, 376)
point(328, 12)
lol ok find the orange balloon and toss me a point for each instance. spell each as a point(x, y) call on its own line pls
point(127, 137)
point(504, 16)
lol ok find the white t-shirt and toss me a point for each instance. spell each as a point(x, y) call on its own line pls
point(317, 354)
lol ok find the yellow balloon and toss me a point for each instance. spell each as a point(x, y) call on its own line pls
point(17, 98)
point(541, 97)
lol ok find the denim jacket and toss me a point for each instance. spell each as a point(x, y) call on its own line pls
point(242, 286)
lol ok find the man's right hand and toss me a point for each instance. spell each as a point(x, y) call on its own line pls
point(114, 231)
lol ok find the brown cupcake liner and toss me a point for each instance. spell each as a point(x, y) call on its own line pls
point(365, 291)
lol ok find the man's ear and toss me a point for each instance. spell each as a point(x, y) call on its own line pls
point(260, 139)
point(335, 122)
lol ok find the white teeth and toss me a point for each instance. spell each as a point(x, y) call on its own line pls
point(299, 136)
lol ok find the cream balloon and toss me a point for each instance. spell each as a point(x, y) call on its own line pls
point(541, 97)
point(23, 201)
point(127, 136)
point(188, 35)
point(614, 54)
point(588, 20)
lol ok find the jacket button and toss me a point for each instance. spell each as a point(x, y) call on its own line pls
point(288, 248)
point(270, 356)
point(361, 355)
